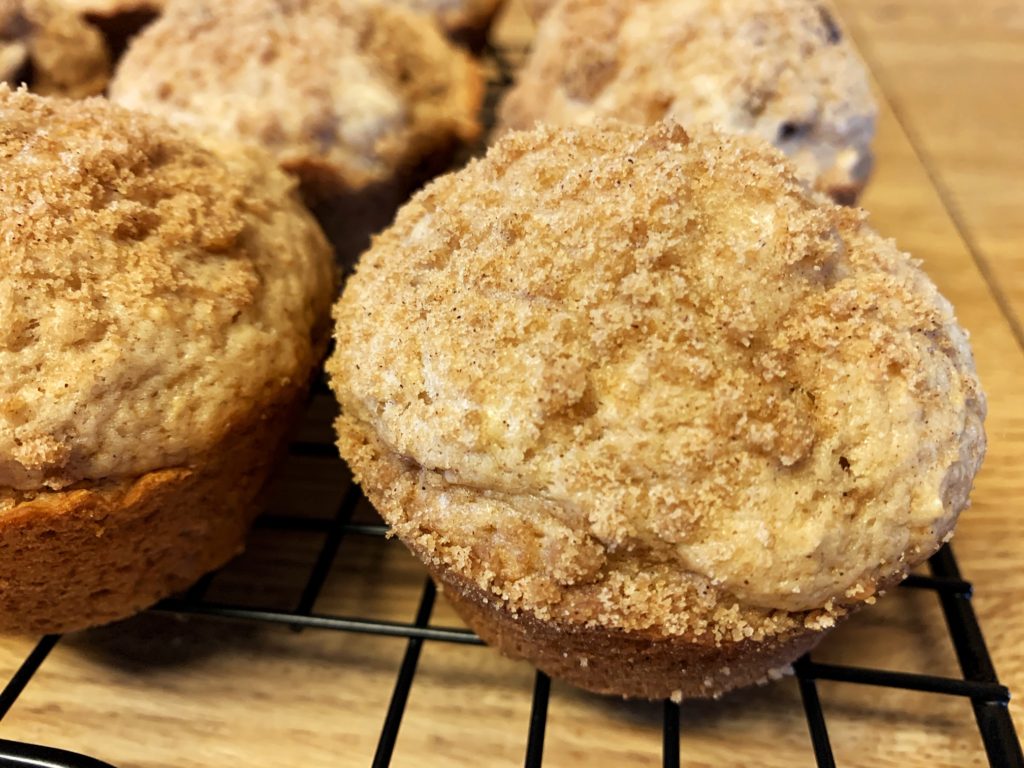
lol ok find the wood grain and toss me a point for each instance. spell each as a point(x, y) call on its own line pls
point(954, 71)
point(159, 691)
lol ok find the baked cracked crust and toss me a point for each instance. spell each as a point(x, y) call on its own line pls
point(345, 95)
point(629, 382)
point(165, 300)
point(779, 69)
point(52, 47)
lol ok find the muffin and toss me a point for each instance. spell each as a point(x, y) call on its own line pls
point(165, 300)
point(779, 69)
point(655, 414)
point(351, 97)
point(463, 20)
point(52, 49)
point(360, 100)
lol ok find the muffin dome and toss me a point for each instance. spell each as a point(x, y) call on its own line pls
point(344, 94)
point(153, 291)
point(642, 380)
point(778, 69)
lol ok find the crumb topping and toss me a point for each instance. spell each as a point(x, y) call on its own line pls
point(154, 290)
point(647, 378)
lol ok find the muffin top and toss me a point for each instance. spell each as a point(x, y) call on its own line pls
point(624, 370)
point(342, 93)
point(779, 69)
point(156, 291)
point(63, 54)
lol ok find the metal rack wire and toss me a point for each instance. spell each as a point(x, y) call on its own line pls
point(979, 682)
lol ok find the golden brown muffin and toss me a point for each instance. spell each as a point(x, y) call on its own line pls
point(779, 69)
point(462, 19)
point(655, 414)
point(51, 48)
point(345, 95)
point(165, 300)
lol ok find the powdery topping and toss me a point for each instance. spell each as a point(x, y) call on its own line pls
point(64, 55)
point(154, 291)
point(652, 380)
point(779, 69)
point(343, 93)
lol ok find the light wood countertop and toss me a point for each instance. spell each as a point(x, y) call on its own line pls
point(163, 691)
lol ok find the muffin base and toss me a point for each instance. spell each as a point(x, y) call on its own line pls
point(98, 552)
point(629, 664)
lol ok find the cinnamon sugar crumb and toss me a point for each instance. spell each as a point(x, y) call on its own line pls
point(155, 288)
point(568, 342)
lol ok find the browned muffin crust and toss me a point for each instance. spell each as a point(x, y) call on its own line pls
point(634, 380)
point(101, 551)
point(643, 664)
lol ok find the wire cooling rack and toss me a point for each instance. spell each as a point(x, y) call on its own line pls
point(979, 683)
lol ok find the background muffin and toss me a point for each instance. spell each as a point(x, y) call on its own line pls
point(165, 304)
point(345, 95)
point(779, 69)
point(354, 98)
point(655, 414)
point(51, 48)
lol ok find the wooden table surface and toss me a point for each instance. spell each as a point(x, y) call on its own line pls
point(162, 691)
